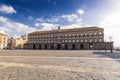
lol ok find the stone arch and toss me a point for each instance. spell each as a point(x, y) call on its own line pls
point(52, 46)
point(39, 46)
point(81, 46)
point(90, 46)
point(73, 46)
point(58, 46)
point(45, 46)
point(66, 46)
point(33, 46)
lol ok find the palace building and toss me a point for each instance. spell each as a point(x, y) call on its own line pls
point(77, 38)
point(3, 41)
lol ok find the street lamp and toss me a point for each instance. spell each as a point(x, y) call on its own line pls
point(105, 45)
point(111, 44)
point(110, 38)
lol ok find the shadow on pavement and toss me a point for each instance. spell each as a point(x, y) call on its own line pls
point(114, 55)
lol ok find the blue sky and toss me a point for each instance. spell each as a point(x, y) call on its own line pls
point(48, 8)
point(18, 17)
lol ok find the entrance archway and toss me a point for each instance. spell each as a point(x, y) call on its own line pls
point(81, 46)
point(58, 46)
point(52, 46)
point(33, 46)
point(73, 46)
point(45, 46)
point(66, 46)
point(39, 46)
point(90, 46)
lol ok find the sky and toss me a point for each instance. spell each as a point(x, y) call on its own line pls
point(19, 17)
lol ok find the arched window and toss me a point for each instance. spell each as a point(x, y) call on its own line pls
point(65, 41)
point(39, 41)
point(100, 40)
point(73, 35)
point(86, 40)
point(36, 41)
point(95, 40)
point(100, 33)
point(66, 35)
point(90, 33)
point(81, 34)
point(77, 34)
point(95, 33)
point(69, 41)
point(69, 35)
point(37, 36)
point(48, 41)
point(81, 40)
point(77, 41)
point(73, 41)
point(85, 34)
point(51, 41)
point(90, 40)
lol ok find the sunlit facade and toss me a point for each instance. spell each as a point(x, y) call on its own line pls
point(17, 43)
point(3, 41)
point(76, 38)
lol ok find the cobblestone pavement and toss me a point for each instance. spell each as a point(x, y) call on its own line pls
point(59, 65)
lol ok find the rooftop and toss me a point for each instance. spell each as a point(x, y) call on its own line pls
point(67, 30)
point(3, 34)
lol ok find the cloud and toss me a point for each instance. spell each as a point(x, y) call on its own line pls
point(111, 24)
point(37, 24)
point(66, 19)
point(30, 18)
point(52, 2)
point(52, 26)
point(73, 20)
point(13, 29)
point(7, 9)
point(53, 19)
point(70, 17)
point(3, 19)
point(71, 26)
point(40, 19)
point(80, 11)
point(48, 26)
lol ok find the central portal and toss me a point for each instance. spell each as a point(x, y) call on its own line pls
point(73, 46)
point(81, 46)
point(58, 46)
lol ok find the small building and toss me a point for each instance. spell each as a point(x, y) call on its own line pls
point(24, 37)
point(3, 41)
point(16, 43)
point(77, 38)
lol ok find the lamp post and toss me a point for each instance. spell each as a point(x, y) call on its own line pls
point(111, 50)
point(105, 45)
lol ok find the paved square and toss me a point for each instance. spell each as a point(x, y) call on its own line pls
point(59, 65)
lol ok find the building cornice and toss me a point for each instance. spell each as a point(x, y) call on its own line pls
point(67, 30)
point(3, 34)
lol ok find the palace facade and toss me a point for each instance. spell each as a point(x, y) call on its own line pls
point(76, 38)
point(3, 41)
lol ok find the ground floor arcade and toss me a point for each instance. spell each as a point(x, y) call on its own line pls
point(69, 46)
